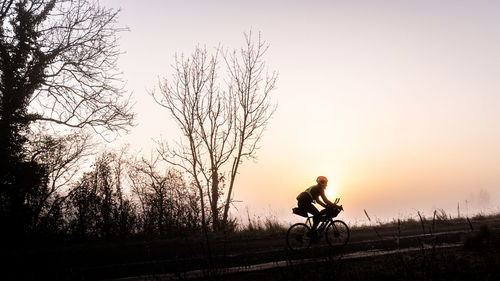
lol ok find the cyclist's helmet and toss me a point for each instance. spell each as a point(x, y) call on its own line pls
point(321, 179)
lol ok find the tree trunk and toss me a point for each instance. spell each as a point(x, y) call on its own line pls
point(215, 201)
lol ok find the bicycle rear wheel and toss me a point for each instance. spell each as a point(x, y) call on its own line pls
point(297, 237)
point(337, 234)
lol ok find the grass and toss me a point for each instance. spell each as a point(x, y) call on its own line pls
point(269, 225)
point(439, 218)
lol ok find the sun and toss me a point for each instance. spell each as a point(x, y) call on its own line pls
point(331, 191)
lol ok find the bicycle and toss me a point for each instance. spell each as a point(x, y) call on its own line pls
point(336, 232)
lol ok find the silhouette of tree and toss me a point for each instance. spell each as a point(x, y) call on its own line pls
point(57, 65)
point(60, 157)
point(222, 124)
point(168, 204)
point(96, 206)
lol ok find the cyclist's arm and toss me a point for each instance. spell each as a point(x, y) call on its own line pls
point(327, 202)
point(321, 203)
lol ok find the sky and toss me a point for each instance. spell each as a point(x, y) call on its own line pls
point(396, 102)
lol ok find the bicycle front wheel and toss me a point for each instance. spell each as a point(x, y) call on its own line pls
point(337, 234)
point(297, 237)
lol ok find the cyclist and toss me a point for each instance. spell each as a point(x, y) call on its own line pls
point(311, 195)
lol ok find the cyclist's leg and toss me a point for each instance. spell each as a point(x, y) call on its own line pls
point(316, 216)
point(314, 211)
point(305, 204)
point(316, 219)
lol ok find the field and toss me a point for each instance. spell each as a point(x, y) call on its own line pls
point(438, 248)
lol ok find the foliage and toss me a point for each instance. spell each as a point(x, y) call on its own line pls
point(97, 206)
point(57, 66)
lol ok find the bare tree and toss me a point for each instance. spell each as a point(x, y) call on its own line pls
point(57, 65)
point(250, 87)
point(222, 122)
point(167, 202)
point(60, 157)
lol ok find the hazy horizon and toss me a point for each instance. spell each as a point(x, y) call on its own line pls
point(396, 102)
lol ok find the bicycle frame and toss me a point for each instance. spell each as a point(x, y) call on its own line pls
point(321, 226)
point(336, 232)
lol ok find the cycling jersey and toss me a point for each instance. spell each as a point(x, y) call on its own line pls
point(312, 194)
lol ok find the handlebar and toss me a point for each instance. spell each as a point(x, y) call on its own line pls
point(335, 204)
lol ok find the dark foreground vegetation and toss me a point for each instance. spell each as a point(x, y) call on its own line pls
point(474, 255)
point(482, 263)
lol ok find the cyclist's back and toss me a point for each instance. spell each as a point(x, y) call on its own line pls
point(311, 194)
